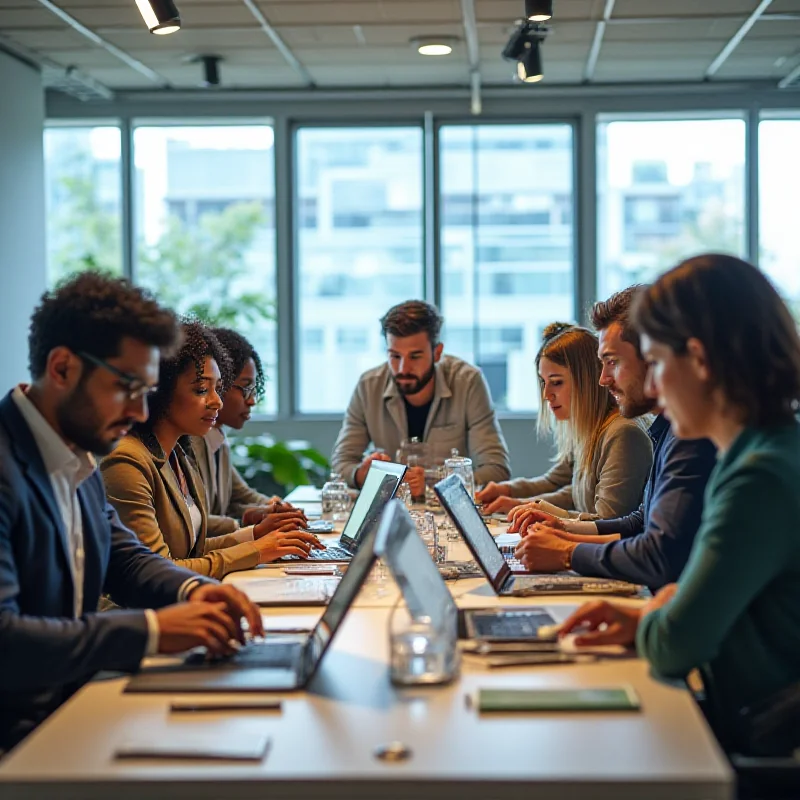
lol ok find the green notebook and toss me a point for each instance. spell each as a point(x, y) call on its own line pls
point(613, 698)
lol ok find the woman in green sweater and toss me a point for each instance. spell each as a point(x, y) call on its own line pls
point(724, 358)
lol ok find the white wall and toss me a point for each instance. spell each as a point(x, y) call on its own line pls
point(23, 271)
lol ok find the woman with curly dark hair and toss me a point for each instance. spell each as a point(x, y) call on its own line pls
point(228, 496)
point(156, 490)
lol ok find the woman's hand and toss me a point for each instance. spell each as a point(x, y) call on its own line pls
point(501, 505)
point(285, 543)
point(602, 622)
point(284, 521)
point(523, 516)
point(492, 491)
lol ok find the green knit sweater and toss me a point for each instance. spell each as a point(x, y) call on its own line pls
point(736, 614)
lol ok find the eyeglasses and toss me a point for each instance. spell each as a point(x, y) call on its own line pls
point(248, 392)
point(135, 388)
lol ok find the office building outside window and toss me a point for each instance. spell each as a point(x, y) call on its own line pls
point(506, 248)
point(358, 217)
point(667, 190)
point(83, 186)
point(779, 201)
point(205, 228)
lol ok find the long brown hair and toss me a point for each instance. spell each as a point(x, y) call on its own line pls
point(591, 407)
point(748, 333)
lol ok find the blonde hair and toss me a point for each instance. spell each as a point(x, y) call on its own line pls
point(591, 407)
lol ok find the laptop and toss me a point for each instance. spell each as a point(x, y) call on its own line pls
point(459, 505)
point(426, 593)
point(282, 662)
point(379, 487)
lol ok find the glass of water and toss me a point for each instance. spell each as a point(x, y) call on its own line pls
point(335, 498)
point(428, 532)
point(419, 652)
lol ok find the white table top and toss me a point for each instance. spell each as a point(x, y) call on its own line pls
point(323, 739)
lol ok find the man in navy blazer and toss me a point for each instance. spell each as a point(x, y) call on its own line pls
point(94, 351)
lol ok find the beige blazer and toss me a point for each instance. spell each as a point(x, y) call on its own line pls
point(461, 416)
point(614, 485)
point(142, 487)
point(227, 504)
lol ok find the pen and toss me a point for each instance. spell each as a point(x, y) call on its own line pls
point(266, 705)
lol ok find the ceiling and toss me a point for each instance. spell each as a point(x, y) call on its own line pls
point(366, 43)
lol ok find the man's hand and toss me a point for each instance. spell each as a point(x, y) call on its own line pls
point(544, 550)
point(501, 505)
point(187, 625)
point(361, 472)
point(523, 516)
point(607, 623)
point(415, 478)
point(238, 604)
point(492, 491)
point(274, 523)
point(285, 543)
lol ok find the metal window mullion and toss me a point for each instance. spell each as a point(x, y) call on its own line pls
point(285, 267)
point(751, 197)
point(584, 204)
point(127, 227)
point(431, 233)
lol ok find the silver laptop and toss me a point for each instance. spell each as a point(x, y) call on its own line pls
point(276, 664)
point(459, 505)
point(379, 487)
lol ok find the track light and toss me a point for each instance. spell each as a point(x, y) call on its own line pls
point(516, 44)
point(160, 16)
point(210, 69)
point(538, 10)
point(529, 67)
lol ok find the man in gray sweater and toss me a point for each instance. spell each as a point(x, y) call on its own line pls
point(442, 401)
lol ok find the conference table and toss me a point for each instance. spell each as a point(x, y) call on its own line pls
point(325, 740)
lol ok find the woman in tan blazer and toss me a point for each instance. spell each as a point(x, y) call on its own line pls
point(155, 488)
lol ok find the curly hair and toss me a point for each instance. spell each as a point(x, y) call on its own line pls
point(411, 317)
point(197, 343)
point(239, 350)
point(751, 341)
point(93, 312)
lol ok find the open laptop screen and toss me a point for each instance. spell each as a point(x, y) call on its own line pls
point(467, 519)
point(346, 592)
point(379, 486)
point(423, 588)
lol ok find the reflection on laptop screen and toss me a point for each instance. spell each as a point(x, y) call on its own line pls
point(458, 503)
point(349, 586)
point(378, 488)
point(424, 589)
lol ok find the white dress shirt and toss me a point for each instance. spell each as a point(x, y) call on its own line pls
point(67, 468)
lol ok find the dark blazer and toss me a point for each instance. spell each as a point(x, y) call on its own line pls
point(45, 653)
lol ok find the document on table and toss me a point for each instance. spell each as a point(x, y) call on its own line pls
point(312, 590)
point(197, 746)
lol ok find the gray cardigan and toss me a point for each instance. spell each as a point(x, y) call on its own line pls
point(614, 485)
point(461, 416)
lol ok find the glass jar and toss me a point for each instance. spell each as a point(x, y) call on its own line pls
point(335, 498)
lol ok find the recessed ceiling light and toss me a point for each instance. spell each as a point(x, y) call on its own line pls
point(434, 45)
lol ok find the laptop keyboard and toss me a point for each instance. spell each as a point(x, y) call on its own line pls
point(509, 624)
point(254, 654)
point(328, 554)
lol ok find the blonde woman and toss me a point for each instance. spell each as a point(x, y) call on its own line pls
point(602, 459)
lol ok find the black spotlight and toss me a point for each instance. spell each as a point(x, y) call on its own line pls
point(529, 67)
point(538, 10)
point(210, 69)
point(160, 16)
point(516, 44)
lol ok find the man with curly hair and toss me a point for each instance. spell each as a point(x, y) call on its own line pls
point(94, 348)
point(228, 496)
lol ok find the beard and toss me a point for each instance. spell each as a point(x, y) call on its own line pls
point(418, 383)
point(631, 406)
point(80, 423)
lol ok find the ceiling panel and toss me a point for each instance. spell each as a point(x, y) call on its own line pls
point(367, 42)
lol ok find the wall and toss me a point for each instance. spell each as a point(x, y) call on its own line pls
point(529, 456)
point(23, 274)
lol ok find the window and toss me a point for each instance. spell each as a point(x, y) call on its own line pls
point(83, 199)
point(205, 237)
point(667, 190)
point(779, 200)
point(507, 248)
point(359, 240)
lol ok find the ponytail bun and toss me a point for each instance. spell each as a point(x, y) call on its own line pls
point(554, 329)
